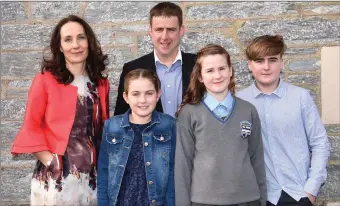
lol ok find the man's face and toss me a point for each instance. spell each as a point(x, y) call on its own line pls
point(166, 35)
point(266, 70)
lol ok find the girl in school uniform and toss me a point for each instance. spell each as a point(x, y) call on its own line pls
point(219, 152)
point(136, 160)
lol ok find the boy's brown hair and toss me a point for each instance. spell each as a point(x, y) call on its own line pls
point(265, 45)
point(167, 9)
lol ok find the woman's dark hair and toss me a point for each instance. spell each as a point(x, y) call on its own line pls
point(55, 63)
point(196, 89)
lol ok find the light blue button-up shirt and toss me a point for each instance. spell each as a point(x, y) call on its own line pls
point(220, 109)
point(291, 129)
point(171, 83)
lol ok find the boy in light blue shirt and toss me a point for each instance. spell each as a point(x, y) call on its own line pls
point(291, 127)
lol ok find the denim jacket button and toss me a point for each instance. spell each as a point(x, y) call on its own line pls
point(148, 164)
point(150, 182)
point(114, 140)
point(153, 201)
point(146, 144)
point(161, 138)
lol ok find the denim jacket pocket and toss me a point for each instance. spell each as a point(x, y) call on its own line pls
point(162, 137)
point(162, 144)
point(113, 139)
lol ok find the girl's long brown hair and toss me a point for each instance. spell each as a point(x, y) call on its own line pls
point(196, 89)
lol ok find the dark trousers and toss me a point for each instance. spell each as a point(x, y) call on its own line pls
point(287, 200)
point(253, 203)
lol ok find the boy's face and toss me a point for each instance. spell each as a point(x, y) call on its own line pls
point(266, 70)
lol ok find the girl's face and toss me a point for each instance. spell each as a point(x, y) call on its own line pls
point(215, 75)
point(142, 97)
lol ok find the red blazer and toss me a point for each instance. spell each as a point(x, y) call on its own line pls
point(50, 113)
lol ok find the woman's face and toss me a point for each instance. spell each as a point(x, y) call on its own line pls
point(73, 43)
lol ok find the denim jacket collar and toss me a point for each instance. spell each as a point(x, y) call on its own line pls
point(155, 118)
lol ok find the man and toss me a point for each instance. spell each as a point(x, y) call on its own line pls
point(173, 67)
point(291, 127)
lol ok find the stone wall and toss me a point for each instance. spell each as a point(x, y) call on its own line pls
point(122, 30)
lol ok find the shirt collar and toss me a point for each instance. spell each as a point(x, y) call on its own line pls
point(212, 103)
point(278, 91)
point(178, 57)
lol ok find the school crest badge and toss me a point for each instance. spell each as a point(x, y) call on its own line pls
point(245, 129)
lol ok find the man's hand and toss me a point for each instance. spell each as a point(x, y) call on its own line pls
point(311, 197)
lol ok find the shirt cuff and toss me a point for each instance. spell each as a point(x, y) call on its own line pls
point(312, 187)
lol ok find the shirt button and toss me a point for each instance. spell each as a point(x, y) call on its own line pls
point(150, 182)
point(169, 102)
point(168, 85)
point(146, 144)
point(148, 164)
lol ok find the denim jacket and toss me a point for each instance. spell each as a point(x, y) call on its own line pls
point(159, 140)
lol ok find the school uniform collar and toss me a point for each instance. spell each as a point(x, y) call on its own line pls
point(212, 103)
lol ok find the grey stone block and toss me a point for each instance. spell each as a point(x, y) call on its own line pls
point(243, 77)
point(323, 9)
point(134, 28)
point(305, 65)
point(295, 31)
point(210, 25)
point(15, 183)
point(13, 109)
point(305, 79)
point(20, 83)
point(20, 64)
point(13, 11)
point(144, 45)
point(113, 99)
point(117, 57)
point(300, 51)
point(54, 10)
point(331, 189)
point(335, 147)
point(114, 76)
point(9, 130)
point(108, 36)
point(239, 10)
point(333, 128)
point(25, 36)
point(17, 94)
point(117, 12)
point(193, 41)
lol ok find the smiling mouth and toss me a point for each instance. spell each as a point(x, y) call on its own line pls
point(143, 107)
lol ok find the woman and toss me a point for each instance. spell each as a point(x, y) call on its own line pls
point(66, 107)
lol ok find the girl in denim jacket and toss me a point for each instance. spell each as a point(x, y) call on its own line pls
point(136, 160)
